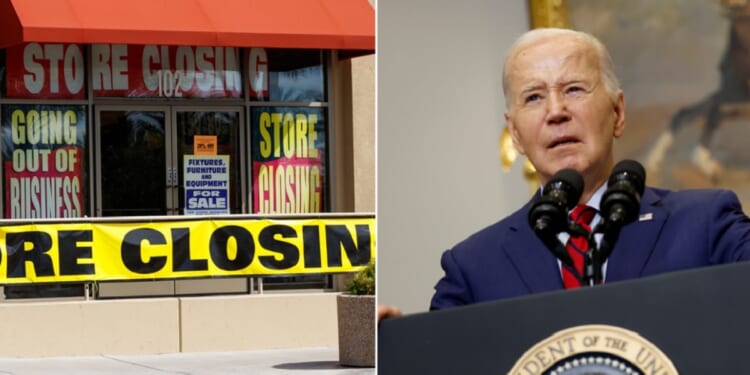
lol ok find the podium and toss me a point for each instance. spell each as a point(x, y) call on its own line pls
point(699, 319)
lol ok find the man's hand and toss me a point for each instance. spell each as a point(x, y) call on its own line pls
point(385, 312)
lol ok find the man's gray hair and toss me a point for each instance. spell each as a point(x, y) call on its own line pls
point(606, 67)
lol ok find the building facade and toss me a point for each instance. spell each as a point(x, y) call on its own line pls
point(184, 108)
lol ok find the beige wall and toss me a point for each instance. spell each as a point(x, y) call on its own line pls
point(260, 322)
point(440, 110)
point(363, 109)
point(38, 329)
point(167, 325)
point(353, 134)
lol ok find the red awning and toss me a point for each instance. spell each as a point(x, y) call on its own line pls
point(326, 24)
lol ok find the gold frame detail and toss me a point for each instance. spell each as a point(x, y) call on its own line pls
point(548, 13)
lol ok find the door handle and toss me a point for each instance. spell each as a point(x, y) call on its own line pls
point(172, 177)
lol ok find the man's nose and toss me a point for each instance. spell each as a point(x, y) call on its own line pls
point(557, 109)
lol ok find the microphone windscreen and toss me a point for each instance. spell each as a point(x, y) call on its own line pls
point(568, 180)
point(631, 170)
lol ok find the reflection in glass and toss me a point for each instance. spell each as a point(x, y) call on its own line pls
point(283, 75)
point(133, 163)
point(300, 85)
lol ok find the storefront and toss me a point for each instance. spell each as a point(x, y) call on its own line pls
point(176, 107)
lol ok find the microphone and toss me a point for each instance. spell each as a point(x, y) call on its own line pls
point(621, 201)
point(620, 205)
point(549, 214)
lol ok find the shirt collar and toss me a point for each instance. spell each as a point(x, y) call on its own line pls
point(596, 198)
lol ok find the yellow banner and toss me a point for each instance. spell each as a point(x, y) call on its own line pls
point(148, 250)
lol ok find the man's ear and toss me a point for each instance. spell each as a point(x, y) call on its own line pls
point(619, 110)
point(514, 134)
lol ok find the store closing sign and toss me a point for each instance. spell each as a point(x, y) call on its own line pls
point(288, 162)
point(52, 71)
point(166, 71)
point(67, 252)
point(56, 70)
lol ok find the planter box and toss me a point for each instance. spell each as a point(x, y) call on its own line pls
point(356, 323)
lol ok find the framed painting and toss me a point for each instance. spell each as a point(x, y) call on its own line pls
point(684, 66)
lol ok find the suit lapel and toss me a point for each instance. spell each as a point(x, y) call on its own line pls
point(637, 240)
point(536, 266)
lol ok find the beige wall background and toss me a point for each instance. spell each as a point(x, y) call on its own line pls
point(363, 108)
point(440, 114)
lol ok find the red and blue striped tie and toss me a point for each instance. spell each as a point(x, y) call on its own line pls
point(577, 245)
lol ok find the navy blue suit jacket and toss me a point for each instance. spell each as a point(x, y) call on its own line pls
point(675, 231)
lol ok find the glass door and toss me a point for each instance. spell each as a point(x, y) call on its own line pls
point(209, 141)
point(132, 161)
point(141, 155)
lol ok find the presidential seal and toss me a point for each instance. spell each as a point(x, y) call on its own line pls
point(594, 349)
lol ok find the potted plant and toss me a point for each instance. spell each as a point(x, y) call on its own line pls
point(356, 320)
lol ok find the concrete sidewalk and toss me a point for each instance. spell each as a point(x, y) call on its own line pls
point(281, 361)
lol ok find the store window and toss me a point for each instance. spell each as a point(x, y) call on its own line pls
point(45, 148)
point(39, 71)
point(288, 143)
point(289, 156)
point(165, 72)
point(44, 161)
point(281, 75)
point(148, 137)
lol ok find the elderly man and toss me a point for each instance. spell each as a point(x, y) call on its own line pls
point(565, 109)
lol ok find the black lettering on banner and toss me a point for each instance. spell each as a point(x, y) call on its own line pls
point(290, 253)
point(218, 248)
point(70, 252)
point(40, 242)
point(131, 250)
point(337, 236)
point(181, 252)
point(311, 245)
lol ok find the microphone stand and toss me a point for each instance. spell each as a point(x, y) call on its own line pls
point(549, 238)
point(594, 258)
point(597, 255)
point(591, 263)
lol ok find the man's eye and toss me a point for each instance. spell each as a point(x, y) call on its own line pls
point(574, 89)
point(532, 98)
